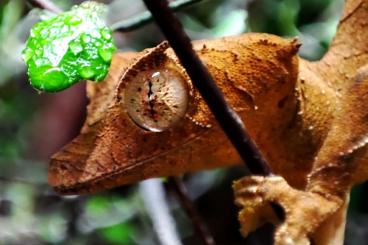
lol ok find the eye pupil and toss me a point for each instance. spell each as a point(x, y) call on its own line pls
point(156, 100)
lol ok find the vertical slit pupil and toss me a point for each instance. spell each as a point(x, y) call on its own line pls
point(150, 98)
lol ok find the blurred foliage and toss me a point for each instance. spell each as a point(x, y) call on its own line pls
point(313, 21)
point(33, 126)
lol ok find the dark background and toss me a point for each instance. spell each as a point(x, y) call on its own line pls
point(33, 126)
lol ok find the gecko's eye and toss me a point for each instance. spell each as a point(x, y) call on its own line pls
point(158, 99)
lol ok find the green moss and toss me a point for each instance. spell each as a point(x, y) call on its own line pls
point(69, 47)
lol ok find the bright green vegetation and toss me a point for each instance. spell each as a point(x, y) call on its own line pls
point(69, 47)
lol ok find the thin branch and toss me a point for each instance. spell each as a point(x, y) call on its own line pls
point(45, 4)
point(230, 122)
point(153, 195)
point(199, 225)
point(146, 17)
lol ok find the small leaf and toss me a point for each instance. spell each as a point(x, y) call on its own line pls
point(69, 47)
point(118, 234)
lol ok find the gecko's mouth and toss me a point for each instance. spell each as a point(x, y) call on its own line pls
point(104, 158)
point(106, 180)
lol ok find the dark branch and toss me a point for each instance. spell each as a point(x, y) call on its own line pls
point(45, 4)
point(201, 78)
point(146, 17)
point(177, 185)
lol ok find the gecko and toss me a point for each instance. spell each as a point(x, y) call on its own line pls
point(307, 118)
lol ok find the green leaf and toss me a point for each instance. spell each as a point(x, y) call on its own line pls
point(69, 47)
point(118, 234)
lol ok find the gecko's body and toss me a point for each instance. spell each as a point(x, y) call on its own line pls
point(309, 120)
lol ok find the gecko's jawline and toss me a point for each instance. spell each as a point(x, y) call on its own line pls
point(106, 180)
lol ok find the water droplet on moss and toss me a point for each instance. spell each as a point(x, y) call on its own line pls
point(86, 38)
point(87, 72)
point(75, 47)
point(105, 54)
point(44, 33)
point(27, 54)
point(38, 52)
point(95, 34)
point(73, 20)
point(41, 62)
point(68, 47)
point(106, 33)
point(56, 80)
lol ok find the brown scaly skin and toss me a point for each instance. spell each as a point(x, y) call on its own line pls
point(308, 119)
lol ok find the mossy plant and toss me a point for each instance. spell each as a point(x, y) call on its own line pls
point(69, 47)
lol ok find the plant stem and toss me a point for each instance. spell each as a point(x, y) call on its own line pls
point(177, 185)
point(146, 17)
point(123, 25)
point(230, 122)
point(45, 4)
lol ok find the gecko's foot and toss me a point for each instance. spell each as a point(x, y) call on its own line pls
point(304, 211)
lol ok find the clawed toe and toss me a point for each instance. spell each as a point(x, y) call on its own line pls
point(285, 235)
point(304, 211)
point(256, 209)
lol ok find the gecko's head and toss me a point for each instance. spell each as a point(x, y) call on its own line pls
point(145, 120)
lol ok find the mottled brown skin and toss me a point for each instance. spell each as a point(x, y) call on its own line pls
point(308, 119)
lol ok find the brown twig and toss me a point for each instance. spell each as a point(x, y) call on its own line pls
point(146, 17)
point(177, 185)
point(227, 118)
point(45, 4)
point(203, 81)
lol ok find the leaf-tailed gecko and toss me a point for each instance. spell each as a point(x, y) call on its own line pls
point(308, 118)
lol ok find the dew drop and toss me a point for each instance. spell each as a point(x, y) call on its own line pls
point(95, 34)
point(53, 69)
point(87, 72)
point(44, 33)
point(74, 20)
point(75, 47)
point(106, 33)
point(41, 62)
point(86, 38)
point(38, 52)
point(27, 54)
point(65, 29)
point(105, 54)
